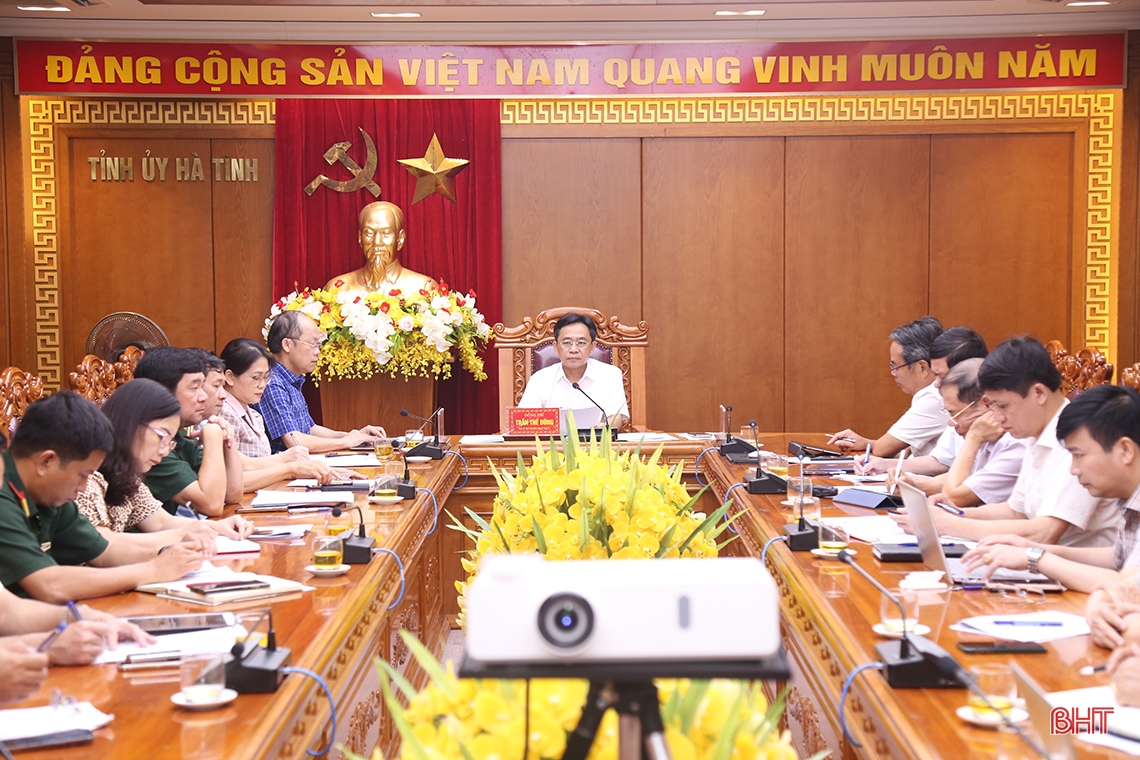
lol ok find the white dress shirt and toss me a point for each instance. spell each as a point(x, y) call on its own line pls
point(920, 426)
point(1046, 487)
point(549, 388)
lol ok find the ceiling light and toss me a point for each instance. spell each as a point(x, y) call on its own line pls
point(406, 14)
point(1088, 2)
point(55, 8)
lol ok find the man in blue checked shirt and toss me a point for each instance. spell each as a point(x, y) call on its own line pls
point(295, 341)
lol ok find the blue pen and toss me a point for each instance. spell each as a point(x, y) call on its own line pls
point(1052, 623)
point(74, 611)
point(950, 509)
point(867, 455)
point(43, 647)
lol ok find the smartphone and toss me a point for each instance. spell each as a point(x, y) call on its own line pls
point(223, 586)
point(1000, 647)
point(157, 625)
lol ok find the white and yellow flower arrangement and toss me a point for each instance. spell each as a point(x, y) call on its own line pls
point(408, 334)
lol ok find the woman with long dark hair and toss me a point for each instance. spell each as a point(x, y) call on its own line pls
point(144, 417)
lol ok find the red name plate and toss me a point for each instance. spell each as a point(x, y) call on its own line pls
point(542, 421)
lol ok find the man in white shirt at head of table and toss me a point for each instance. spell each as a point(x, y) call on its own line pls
point(921, 424)
point(553, 386)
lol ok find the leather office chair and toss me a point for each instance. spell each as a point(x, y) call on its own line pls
point(94, 379)
point(1085, 369)
point(527, 348)
point(18, 389)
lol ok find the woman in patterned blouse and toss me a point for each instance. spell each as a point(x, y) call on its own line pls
point(145, 418)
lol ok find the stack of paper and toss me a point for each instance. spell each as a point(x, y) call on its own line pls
point(278, 532)
point(226, 545)
point(1047, 625)
point(39, 721)
point(645, 437)
point(268, 498)
point(211, 640)
point(210, 574)
point(480, 440)
point(347, 460)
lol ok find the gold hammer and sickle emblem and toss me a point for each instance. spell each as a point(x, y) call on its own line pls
point(360, 177)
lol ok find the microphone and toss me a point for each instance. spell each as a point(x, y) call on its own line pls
point(605, 417)
point(432, 450)
point(357, 548)
point(257, 669)
point(927, 666)
point(734, 445)
point(763, 482)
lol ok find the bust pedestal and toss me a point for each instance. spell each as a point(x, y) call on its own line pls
point(349, 404)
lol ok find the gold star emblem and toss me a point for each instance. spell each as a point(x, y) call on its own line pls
point(434, 172)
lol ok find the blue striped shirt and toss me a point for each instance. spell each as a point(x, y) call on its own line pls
point(283, 406)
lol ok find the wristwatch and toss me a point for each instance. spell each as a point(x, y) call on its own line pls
point(1033, 555)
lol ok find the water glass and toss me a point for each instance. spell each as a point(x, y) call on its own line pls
point(383, 449)
point(797, 489)
point(812, 509)
point(328, 551)
point(336, 525)
point(996, 681)
point(251, 621)
point(203, 677)
point(832, 538)
point(412, 437)
point(777, 465)
point(889, 611)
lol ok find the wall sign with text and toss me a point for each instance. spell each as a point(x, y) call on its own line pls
point(193, 69)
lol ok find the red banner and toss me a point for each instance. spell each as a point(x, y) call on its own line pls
point(192, 69)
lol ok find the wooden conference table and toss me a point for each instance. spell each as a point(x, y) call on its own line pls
point(339, 628)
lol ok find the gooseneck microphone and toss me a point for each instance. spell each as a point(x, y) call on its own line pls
point(904, 643)
point(605, 417)
point(357, 548)
point(257, 669)
point(432, 450)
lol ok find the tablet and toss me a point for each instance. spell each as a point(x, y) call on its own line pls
point(157, 625)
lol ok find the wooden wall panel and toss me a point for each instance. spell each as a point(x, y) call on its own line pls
point(1000, 232)
point(243, 244)
point(856, 246)
point(12, 316)
point(713, 223)
point(138, 246)
point(571, 226)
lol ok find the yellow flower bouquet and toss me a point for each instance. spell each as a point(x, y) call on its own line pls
point(499, 719)
point(409, 334)
point(592, 501)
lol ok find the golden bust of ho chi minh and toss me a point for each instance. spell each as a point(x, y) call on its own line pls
point(380, 231)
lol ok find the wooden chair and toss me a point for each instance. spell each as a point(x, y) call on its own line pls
point(18, 389)
point(1085, 369)
point(527, 348)
point(1130, 376)
point(94, 379)
point(125, 366)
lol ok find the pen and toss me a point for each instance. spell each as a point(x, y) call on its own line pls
point(1089, 670)
point(1050, 623)
point(866, 455)
point(340, 454)
point(950, 509)
point(898, 471)
point(300, 510)
point(74, 611)
point(52, 637)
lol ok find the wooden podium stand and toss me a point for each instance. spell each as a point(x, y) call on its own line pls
point(349, 404)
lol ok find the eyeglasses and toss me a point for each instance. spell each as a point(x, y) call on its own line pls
point(896, 367)
point(261, 380)
point(165, 440)
point(954, 417)
point(315, 346)
point(569, 344)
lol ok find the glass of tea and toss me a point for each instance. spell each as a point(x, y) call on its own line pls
point(996, 681)
point(328, 551)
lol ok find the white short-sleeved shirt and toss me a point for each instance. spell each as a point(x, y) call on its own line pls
point(996, 468)
point(549, 388)
point(1046, 487)
point(948, 445)
point(920, 426)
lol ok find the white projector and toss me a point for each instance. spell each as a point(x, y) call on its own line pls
point(522, 608)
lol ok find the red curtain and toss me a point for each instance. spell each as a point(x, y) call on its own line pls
point(314, 237)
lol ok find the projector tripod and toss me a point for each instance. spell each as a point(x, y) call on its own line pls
point(641, 734)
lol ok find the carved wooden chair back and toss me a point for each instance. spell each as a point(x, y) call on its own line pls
point(1130, 376)
point(18, 389)
point(527, 348)
point(94, 379)
point(125, 366)
point(1085, 369)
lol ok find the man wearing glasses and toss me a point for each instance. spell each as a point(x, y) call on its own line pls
point(598, 383)
point(984, 459)
point(295, 342)
point(921, 424)
point(1048, 504)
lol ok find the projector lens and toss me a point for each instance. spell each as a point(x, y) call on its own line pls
point(565, 620)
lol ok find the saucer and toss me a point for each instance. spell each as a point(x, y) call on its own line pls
point(326, 572)
point(879, 628)
point(227, 696)
point(966, 713)
point(417, 460)
point(825, 554)
point(385, 501)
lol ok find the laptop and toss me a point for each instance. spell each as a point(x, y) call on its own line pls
point(930, 544)
point(1058, 746)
